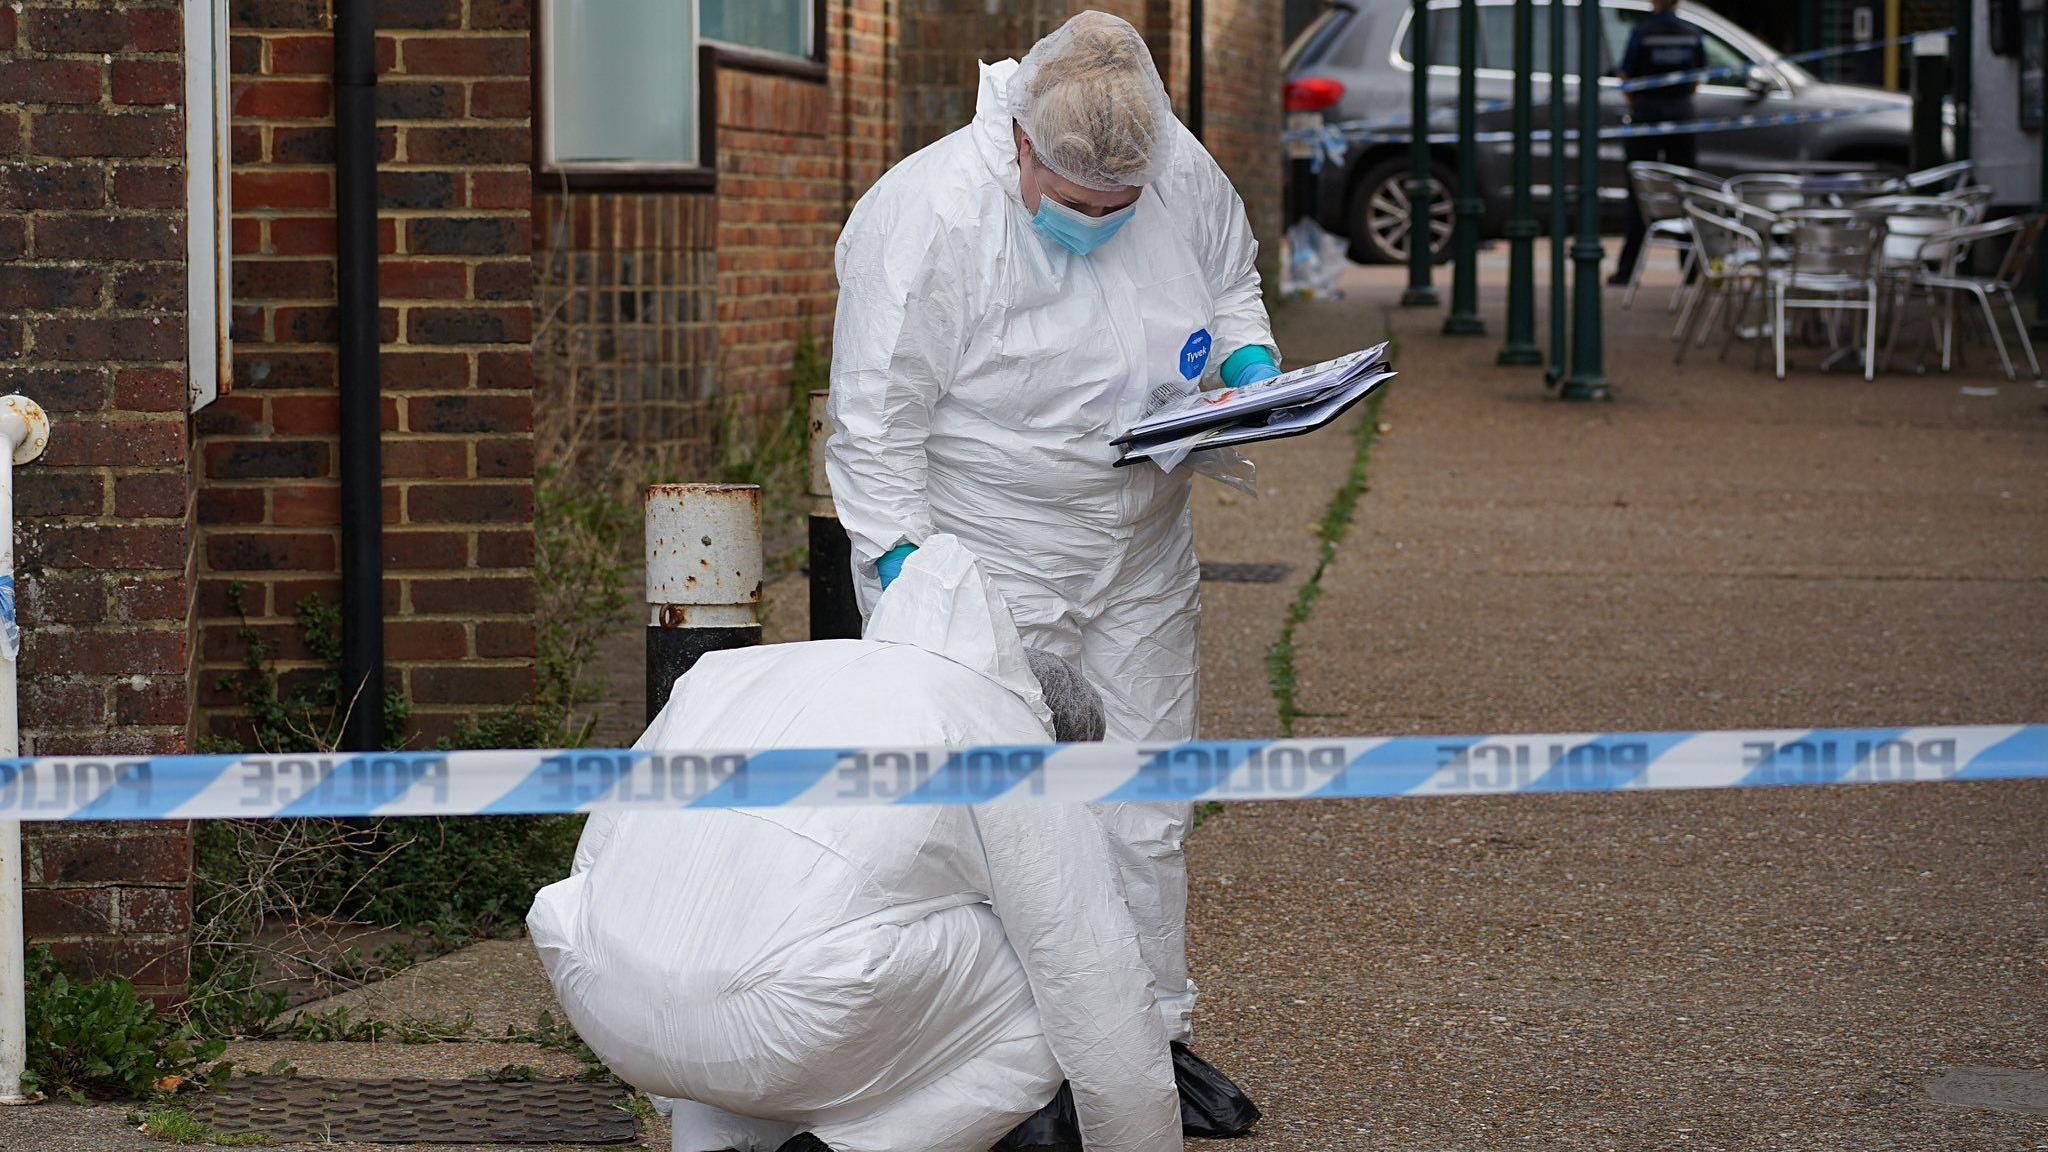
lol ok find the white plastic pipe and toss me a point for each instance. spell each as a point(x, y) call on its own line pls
point(24, 431)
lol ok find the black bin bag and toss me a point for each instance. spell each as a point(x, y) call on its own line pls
point(1211, 1107)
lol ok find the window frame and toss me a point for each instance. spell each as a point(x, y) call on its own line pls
point(712, 56)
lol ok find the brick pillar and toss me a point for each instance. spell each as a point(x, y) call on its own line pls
point(455, 189)
point(92, 325)
point(1241, 109)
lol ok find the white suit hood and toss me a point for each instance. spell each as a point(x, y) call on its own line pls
point(993, 138)
point(943, 602)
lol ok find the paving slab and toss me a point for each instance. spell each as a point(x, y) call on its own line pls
point(490, 986)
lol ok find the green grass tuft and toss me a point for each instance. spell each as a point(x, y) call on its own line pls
point(1335, 526)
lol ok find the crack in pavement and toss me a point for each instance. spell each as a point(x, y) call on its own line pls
point(1332, 530)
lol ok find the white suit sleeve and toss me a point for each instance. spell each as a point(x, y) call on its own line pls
point(1053, 884)
point(895, 347)
point(1222, 235)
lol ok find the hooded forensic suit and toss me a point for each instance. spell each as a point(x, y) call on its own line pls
point(979, 373)
point(885, 978)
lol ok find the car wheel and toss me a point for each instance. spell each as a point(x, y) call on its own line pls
point(1379, 212)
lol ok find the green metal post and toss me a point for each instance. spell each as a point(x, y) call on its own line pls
point(1960, 72)
point(1464, 319)
point(1521, 230)
point(2041, 189)
point(1421, 292)
point(1589, 375)
point(1560, 179)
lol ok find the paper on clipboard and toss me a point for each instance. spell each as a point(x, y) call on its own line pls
point(1278, 425)
point(1301, 386)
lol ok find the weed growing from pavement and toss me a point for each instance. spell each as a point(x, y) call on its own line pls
point(1335, 526)
point(97, 1038)
point(177, 1126)
point(509, 1074)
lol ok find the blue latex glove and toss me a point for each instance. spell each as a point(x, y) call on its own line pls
point(1254, 373)
point(1248, 365)
point(891, 563)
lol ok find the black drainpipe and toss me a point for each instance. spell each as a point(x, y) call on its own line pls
point(1195, 67)
point(362, 462)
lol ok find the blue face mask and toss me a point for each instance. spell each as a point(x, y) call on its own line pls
point(1081, 234)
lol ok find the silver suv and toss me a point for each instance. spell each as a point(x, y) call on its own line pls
point(1352, 64)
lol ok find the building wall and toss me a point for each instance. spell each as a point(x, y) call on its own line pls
point(1241, 109)
point(794, 154)
point(672, 318)
point(626, 331)
point(780, 204)
point(456, 275)
point(92, 325)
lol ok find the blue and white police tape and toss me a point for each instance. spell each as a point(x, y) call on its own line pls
point(529, 782)
point(1332, 144)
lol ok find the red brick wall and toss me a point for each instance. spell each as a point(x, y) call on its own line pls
point(780, 189)
point(455, 191)
point(1241, 117)
point(865, 78)
point(92, 325)
point(626, 331)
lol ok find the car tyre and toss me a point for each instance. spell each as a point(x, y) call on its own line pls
point(1379, 209)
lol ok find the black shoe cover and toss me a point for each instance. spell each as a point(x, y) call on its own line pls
point(804, 1142)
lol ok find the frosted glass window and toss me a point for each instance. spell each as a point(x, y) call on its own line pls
point(621, 84)
point(772, 25)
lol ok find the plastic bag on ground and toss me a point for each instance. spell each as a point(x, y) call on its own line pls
point(1314, 261)
point(1211, 1104)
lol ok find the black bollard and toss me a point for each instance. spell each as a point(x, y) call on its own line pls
point(1930, 82)
point(835, 611)
point(703, 577)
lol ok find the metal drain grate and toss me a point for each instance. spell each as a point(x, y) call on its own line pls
point(2004, 1089)
point(312, 1108)
point(1246, 573)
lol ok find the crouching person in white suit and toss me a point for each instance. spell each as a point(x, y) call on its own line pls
point(873, 979)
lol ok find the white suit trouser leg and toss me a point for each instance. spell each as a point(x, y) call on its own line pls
point(1140, 651)
point(698, 1127)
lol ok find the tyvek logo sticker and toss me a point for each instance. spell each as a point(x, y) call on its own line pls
point(1194, 355)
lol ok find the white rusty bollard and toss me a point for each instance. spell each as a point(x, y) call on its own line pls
point(703, 577)
point(24, 433)
point(835, 612)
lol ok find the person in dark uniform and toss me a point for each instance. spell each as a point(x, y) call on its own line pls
point(1659, 43)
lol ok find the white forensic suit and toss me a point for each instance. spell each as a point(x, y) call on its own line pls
point(915, 979)
point(979, 373)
